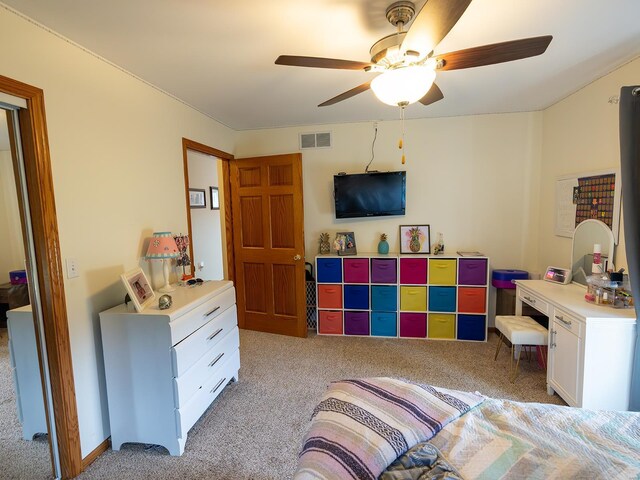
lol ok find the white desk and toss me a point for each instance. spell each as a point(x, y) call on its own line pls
point(591, 347)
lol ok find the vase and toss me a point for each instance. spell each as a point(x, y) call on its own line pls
point(383, 247)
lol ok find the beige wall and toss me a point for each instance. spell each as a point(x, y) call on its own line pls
point(580, 134)
point(472, 178)
point(12, 253)
point(118, 176)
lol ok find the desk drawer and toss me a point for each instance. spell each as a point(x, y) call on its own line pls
point(187, 352)
point(568, 321)
point(188, 323)
point(186, 385)
point(535, 301)
point(188, 415)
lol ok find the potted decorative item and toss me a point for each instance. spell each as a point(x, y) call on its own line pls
point(383, 245)
point(325, 246)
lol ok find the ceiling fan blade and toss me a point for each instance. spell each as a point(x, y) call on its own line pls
point(318, 62)
point(495, 53)
point(348, 94)
point(432, 24)
point(432, 96)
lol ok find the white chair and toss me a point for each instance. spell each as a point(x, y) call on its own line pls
point(520, 331)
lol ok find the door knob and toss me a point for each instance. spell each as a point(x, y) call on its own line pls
point(297, 257)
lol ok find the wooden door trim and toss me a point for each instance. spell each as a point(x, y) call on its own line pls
point(226, 185)
point(35, 145)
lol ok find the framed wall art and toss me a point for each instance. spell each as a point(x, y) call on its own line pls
point(345, 243)
point(415, 239)
point(197, 198)
point(138, 288)
point(215, 199)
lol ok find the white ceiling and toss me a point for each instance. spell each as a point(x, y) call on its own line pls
point(218, 55)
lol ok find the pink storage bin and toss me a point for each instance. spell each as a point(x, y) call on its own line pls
point(413, 271)
point(356, 270)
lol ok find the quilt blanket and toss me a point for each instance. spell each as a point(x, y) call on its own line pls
point(361, 426)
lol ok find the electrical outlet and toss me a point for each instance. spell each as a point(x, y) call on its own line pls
point(72, 268)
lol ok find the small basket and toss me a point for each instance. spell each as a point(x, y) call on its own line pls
point(312, 316)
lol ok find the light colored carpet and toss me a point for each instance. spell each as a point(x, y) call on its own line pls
point(19, 459)
point(254, 429)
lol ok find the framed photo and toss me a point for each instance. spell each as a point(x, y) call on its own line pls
point(215, 200)
point(138, 288)
point(345, 243)
point(415, 239)
point(197, 198)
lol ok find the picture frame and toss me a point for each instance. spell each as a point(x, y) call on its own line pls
point(138, 288)
point(345, 243)
point(197, 198)
point(215, 198)
point(415, 239)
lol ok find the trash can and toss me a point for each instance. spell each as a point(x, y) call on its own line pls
point(312, 316)
point(506, 289)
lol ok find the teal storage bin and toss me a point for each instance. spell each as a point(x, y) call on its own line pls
point(442, 299)
point(384, 324)
point(384, 298)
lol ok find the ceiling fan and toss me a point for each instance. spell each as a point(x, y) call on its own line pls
point(406, 62)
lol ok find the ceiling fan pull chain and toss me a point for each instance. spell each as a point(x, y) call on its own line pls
point(401, 142)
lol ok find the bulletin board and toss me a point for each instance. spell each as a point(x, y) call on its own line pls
point(591, 195)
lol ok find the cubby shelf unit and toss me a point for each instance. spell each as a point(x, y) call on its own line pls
point(442, 297)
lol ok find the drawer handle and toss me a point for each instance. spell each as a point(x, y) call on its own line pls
point(567, 323)
point(217, 385)
point(212, 311)
point(442, 266)
point(214, 334)
point(529, 299)
point(215, 360)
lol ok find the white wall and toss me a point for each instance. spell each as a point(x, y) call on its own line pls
point(12, 253)
point(116, 155)
point(472, 178)
point(580, 134)
point(205, 223)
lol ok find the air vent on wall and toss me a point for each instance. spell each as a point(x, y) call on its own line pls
point(315, 140)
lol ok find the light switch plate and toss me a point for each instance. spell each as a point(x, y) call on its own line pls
point(72, 268)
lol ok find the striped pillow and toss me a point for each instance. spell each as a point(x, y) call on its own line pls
point(361, 426)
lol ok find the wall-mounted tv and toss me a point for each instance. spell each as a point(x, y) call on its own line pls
point(373, 194)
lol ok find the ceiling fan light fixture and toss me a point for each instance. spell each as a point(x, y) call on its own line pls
point(403, 86)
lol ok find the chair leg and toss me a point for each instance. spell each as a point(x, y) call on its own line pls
point(543, 357)
point(498, 347)
point(515, 372)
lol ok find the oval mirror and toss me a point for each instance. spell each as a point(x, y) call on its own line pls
point(587, 234)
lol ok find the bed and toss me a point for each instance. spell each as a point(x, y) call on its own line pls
point(398, 430)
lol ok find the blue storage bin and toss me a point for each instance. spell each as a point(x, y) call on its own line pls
point(472, 327)
point(442, 299)
point(384, 324)
point(329, 270)
point(356, 296)
point(384, 298)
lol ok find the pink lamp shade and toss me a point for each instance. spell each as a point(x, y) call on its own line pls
point(162, 245)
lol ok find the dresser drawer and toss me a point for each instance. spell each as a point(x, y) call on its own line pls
point(187, 352)
point(472, 299)
point(189, 414)
point(184, 325)
point(186, 385)
point(356, 270)
point(442, 272)
point(536, 302)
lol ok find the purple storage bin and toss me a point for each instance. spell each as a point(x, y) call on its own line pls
point(503, 278)
point(472, 271)
point(383, 270)
point(356, 270)
point(413, 271)
point(413, 325)
point(356, 323)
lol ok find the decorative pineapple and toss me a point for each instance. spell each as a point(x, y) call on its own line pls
point(325, 247)
point(414, 241)
point(383, 246)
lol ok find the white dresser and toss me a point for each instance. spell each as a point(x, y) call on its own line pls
point(164, 367)
point(591, 347)
point(23, 352)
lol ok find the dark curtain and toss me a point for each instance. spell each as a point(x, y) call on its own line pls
point(630, 170)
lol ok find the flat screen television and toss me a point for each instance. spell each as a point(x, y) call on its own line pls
point(373, 194)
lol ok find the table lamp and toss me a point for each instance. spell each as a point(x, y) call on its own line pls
point(162, 246)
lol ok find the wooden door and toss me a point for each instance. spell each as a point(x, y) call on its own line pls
point(268, 240)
